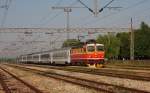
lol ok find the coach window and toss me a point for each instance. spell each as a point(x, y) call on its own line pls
point(90, 48)
point(45, 56)
point(100, 48)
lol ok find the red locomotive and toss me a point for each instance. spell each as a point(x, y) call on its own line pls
point(91, 53)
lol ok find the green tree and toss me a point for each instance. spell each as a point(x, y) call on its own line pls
point(142, 41)
point(111, 43)
point(124, 45)
point(72, 43)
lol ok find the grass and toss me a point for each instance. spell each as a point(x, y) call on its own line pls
point(140, 63)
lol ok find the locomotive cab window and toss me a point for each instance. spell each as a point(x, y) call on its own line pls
point(90, 48)
point(100, 47)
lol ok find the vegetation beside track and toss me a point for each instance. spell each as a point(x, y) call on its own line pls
point(135, 63)
point(2, 60)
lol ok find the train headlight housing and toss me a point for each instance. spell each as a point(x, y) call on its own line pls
point(90, 56)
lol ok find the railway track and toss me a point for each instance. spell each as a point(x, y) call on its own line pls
point(13, 84)
point(105, 72)
point(105, 87)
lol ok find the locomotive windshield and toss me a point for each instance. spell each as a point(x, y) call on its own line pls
point(90, 48)
point(100, 47)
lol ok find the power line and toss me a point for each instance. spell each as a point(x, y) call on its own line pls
point(7, 5)
point(59, 2)
point(57, 14)
point(111, 14)
point(51, 19)
point(59, 30)
point(86, 6)
point(144, 13)
point(96, 6)
point(47, 16)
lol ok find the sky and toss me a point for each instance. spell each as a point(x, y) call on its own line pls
point(39, 14)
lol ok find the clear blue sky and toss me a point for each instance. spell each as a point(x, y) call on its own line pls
point(38, 13)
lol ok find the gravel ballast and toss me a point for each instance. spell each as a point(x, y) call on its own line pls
point(49, 85)
point(142, 85)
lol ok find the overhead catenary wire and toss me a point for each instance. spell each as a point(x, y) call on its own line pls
point(86, 6)
point(48, 15)
point(112, 14)
point(59, 2)
point(6, 7)
point(100, 10)
point(95, 12)
point(57, 14)
point(50, 20)
point(137, 19)
point(105, 6)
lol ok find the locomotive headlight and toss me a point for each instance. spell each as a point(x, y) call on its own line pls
point(96, 55)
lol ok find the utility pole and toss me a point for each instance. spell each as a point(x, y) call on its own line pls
point(96, 8)
point(67, 10)
point(6, 7)
point(132, 42)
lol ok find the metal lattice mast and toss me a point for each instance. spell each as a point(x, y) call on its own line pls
point(132, 42)
point(96, 7)
point(67, 10)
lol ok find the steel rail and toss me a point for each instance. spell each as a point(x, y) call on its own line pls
point(22, 81)
point(3, 84)
point(90, 85)
point(104, 72)
point(55, 76)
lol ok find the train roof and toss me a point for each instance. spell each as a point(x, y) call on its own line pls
point(96, 44)
point(89, 41)
point(42, 52)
